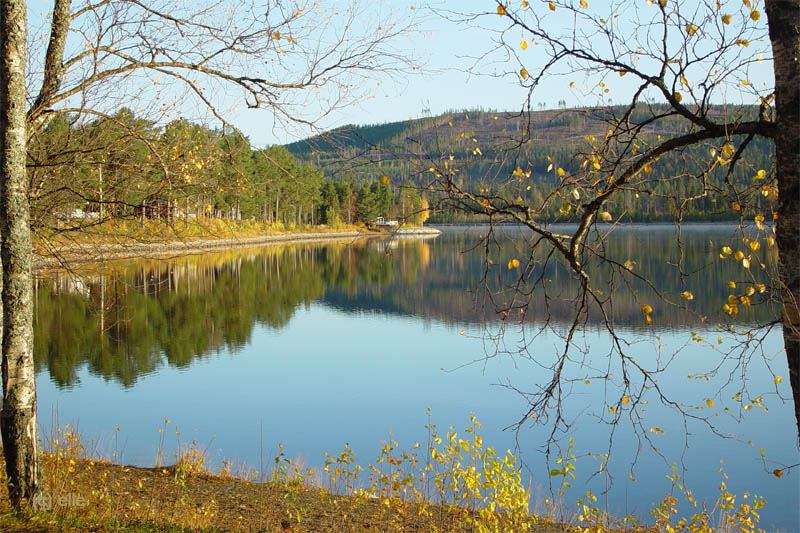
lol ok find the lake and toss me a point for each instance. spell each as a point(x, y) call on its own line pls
point(311, 346)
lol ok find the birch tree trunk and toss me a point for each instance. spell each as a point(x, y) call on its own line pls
point(784, 32)
point(19, 424)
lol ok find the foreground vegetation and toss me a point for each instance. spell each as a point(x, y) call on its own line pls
point(456, 484)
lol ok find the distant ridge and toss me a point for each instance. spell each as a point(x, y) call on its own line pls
point(402, 150)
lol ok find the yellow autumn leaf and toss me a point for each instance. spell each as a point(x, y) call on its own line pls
point(746, 263)
point(523, 45)
point(501, 10)
point(561, 171)
point(727, 250)
point(755, 15)
point(687, 295)
point(523, 73)
point(754, 245)
point(585, 5)
point(760, 287)
point(605, 216)
point(778, 380)
point(551, 5)
point(625, 400)
point(514, 263)
point(710, 402)
point(572, 85)
point(728, 149)
point(385, 180)
point(462, 332)
point(524, 3)
point(691, 29)
point(726, 19)
point(612, 409)
point(739, 255)
point(777, 472)
point(678, 97)
point(646, 309)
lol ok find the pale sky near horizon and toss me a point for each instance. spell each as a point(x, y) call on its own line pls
point(446, 50)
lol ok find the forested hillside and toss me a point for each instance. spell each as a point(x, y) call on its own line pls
point(122, 166)
point(524, 156)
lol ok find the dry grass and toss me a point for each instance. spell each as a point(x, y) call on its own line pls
point(116, 232)
point(84, 494)
point(123, 498)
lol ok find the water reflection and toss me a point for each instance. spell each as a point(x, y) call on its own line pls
point(124, 319)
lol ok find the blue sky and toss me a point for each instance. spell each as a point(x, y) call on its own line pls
point(447, 50)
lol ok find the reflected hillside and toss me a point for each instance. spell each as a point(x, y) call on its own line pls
point(447, 279)
point(122, 320)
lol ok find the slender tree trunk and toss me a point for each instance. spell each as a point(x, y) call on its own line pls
point(19, 424)
point(100, 174)
point(784, 32)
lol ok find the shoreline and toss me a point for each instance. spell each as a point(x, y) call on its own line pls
point(97, 253)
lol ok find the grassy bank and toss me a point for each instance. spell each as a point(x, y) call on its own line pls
point(456, 485)
point(129, 239)
point(83, 494)
point(122, 232)
point(120, 239)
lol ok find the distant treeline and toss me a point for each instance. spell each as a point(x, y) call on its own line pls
point(121, 166)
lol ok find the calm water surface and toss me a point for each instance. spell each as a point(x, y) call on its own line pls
point(314, 346)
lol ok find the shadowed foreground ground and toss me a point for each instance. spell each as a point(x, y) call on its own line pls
point(88, 495)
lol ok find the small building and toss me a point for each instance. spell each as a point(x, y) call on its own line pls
point(386, 223)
